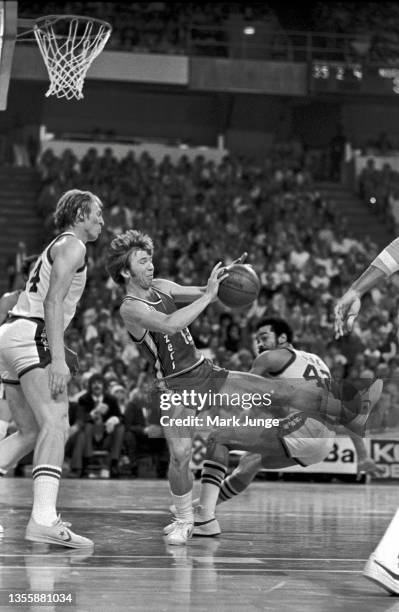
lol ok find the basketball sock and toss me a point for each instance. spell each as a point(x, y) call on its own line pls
point(387, 550)
point(212, 477)
point(46, 480)
point(3, 429)
point(230, 487)
point(184, 506)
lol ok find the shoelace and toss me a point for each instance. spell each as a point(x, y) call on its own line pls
point(61, 523)
point(178, 522)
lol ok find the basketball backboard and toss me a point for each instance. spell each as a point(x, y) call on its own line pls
point(8, 32)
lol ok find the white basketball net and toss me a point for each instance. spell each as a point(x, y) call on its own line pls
point(69, 44)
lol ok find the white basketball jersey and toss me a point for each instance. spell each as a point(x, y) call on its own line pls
point(305, 366)
point(31, 300)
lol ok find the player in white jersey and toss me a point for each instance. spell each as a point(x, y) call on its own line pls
point(277, 358)
point(382, 566)
point(306, 437)
point(8, 301)
point(33, 361)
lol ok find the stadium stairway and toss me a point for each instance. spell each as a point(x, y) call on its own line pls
point(19, 188)
point(361, 220)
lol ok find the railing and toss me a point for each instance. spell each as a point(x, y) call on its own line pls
point(257, 41)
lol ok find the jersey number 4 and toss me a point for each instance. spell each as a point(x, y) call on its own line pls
point(320, 377)
point(35, 279)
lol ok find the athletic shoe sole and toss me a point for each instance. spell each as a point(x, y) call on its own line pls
point(381, 575)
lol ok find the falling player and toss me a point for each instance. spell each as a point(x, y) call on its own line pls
point(382, 565)
point(33, 362)
point(160, 329)
point(278, 358)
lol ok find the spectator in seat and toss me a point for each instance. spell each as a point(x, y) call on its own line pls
point(100, 428)
point(143, 433)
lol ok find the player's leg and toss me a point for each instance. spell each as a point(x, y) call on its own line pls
point(19, 444)
point(241, 477)
point(256, 439)
point(277, 395)
point(52, 419)
point(180, 477)
point(5, 414)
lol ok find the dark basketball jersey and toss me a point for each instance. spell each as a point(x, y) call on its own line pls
point(169, 354)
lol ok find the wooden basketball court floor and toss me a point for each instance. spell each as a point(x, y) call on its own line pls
point(286, 547)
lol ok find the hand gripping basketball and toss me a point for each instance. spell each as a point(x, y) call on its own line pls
point(218, 275)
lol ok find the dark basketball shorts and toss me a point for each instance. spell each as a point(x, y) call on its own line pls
point(24, 347)
point(205, 378)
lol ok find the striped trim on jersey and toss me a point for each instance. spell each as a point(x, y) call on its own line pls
point(286, 365)
point(149, 346)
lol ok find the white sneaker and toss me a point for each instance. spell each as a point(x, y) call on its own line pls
point(104, 473)
point(57, 533)
point(178, 532)
point(206, 528)
point(1, 531)
point(377, 572)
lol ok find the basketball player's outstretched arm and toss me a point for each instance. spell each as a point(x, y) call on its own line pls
point(187, 293)
point(138, 314)
point(68, 256)
point(180, 293)
point(271, 362)
point(348, 306)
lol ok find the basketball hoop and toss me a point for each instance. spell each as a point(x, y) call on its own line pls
point(69, 44)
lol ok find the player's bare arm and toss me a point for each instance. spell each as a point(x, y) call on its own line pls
point(68, 256)
point(138, 316)
point(180, 293)
point(270, 362)
point(348, 306)
point(7, 301)
point(187, 293)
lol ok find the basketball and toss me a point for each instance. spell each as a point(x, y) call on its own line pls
point(240, 288)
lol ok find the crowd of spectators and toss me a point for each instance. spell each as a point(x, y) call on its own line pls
point(212, 28)
point(198, 213)
point(373, 25)
point(161, 27)
point(379, 189)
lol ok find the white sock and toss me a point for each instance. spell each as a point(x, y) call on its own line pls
point(3, 429)
point(184, 506)
point(208, 500)
point(387, 550)
point(45, 491)
point(213, 474)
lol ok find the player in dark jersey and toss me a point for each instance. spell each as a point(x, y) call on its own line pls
point(160, 330)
